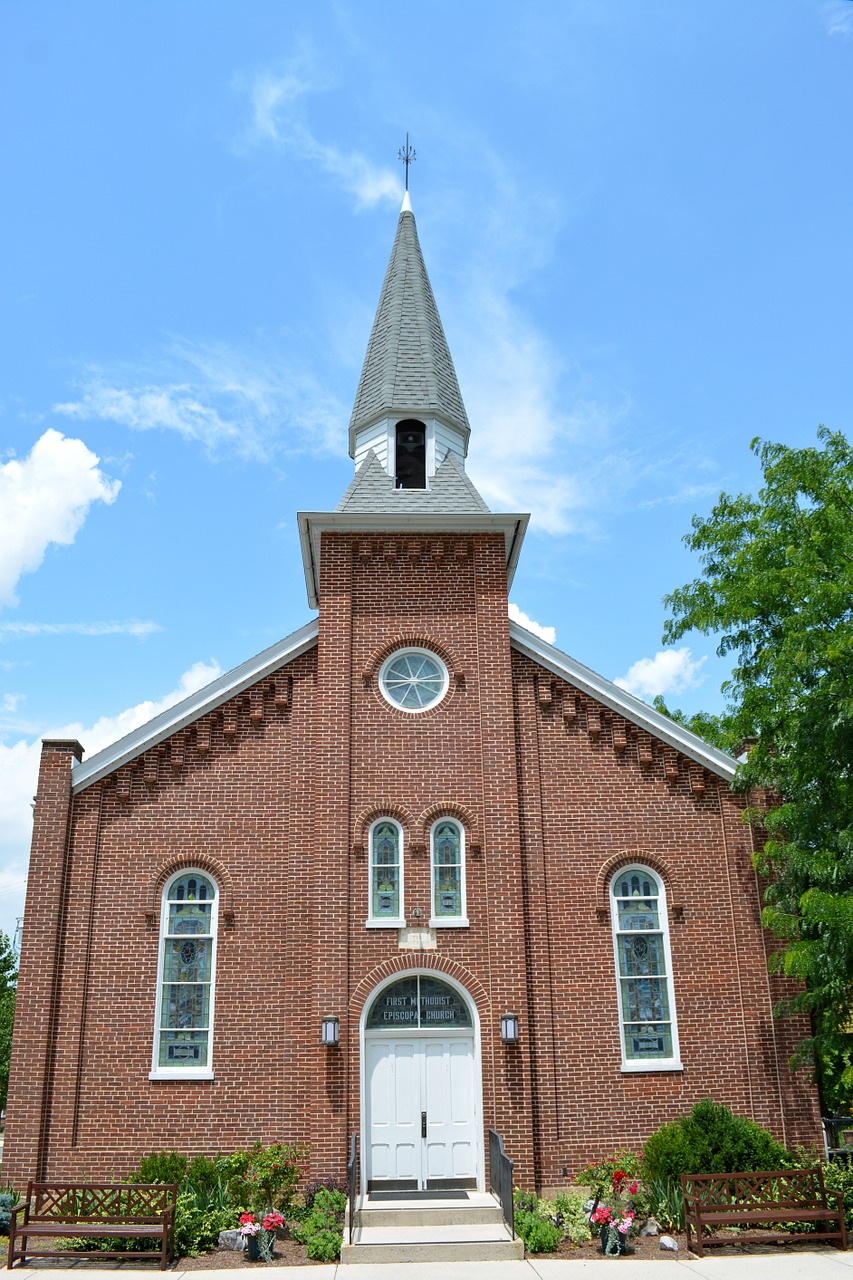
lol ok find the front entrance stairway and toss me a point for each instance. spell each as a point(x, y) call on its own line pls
point(429, 1227)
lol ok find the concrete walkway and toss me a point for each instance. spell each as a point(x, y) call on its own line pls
point(828, 1264)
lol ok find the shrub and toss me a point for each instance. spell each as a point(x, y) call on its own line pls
point(8, 1200)
point(838, 1176)
point(330, 1184)
point(599, 1176)
point(539, 1233)
point(711, 1140)
point(569, 1213)
point(321, 1228)
point(267, 1176)
point(198, 1224)
point(160, 1166)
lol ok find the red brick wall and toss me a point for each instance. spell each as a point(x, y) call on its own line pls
point(274, 794)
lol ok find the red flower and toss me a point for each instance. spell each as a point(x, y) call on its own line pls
point(632, 1190)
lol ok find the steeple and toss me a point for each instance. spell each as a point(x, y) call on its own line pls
point(408, 407)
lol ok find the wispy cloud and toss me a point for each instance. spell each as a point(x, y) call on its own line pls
point(231, 400)
point(45, 499)
point(133, 627)
point(838, 17)
point(278, 120)
point(548, 634)
point(669, 671)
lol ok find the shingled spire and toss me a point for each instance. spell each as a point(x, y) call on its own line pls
point(408, 373)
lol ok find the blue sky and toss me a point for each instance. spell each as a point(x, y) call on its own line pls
point(637, 222)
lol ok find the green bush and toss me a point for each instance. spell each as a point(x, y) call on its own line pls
point(711, 1140)
point(267, 1176)
point(539, 1233)
point(838, 1176)
point(569, 1213)
point(198, 1224)
point(321, 1228)
point(8, 1200)
point(599, 1176)
point(160, 1166)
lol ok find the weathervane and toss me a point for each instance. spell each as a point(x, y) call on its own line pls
point(407, 155)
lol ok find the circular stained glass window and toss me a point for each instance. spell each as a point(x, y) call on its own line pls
point(413, 679)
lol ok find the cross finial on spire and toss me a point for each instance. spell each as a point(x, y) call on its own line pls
point(407, 155)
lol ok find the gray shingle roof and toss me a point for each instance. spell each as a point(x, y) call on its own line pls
point(408, 367)
point(450, 492)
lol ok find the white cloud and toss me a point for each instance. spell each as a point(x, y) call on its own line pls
point(132, 628)
point(230, 400)
point(278, 120)
point(44, 499)
point(669, 671)
point(838, 16)
point(19, 765)
point(548, 634)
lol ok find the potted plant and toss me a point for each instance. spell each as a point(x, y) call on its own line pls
point(616, 1219)
point(260, 1236)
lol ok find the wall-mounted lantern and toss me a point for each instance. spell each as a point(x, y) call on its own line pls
point(509, 1028)
point(330, 1032)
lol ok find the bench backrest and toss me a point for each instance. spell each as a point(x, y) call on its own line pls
point(100, 1202)
point(782, 1187)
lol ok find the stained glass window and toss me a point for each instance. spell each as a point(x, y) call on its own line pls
point(642, 961)
point(447, 871)
point(188, 952)
point(385, 871)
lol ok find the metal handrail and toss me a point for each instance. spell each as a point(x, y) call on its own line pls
point(500, 1179)
point(351, 1180)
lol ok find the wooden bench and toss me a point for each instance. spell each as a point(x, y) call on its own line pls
point(94, 1210)
point(748, 1199)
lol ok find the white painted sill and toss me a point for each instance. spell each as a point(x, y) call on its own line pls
point(396, 923)
point(449, 922)
point(203, 1074)
point(664, 1064)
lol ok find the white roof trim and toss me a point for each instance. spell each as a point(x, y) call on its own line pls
point(312, 524)
point(619, 700)
point(192, 708)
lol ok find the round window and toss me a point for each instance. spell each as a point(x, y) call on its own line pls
point(413, 679)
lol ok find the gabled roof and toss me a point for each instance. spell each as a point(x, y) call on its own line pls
point(622, 702)
point(373, 491)
point(408, 370)
point(193, 708)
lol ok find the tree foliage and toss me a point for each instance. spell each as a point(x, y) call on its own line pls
point(777, 588)
point(8, 980)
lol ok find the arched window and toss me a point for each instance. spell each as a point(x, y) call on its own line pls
point(184, 1020)
point(644, 971)
point(386, 874)
point(447, 849)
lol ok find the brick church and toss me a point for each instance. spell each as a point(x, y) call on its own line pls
point(411, 873)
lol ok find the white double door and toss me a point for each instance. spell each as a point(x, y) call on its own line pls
point(422, 1124)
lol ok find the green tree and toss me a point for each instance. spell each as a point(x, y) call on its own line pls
point(777, 588)
point(8, 979)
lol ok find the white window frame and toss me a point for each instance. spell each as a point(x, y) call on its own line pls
point(426, 653)
point(448, 922)
point(672, 1063)
point(185, 1072)
point(385, 922)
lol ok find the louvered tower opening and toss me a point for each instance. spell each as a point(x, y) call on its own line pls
point(410, 454)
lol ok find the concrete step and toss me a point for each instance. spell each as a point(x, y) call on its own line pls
point(449, 1243)
point(478, 1209)
point(435, 1230)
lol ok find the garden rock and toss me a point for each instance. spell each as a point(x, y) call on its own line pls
point(232, 1240)
point(667, 1242)
point(650, 1228)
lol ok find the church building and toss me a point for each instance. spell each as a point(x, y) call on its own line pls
point(411, 873)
